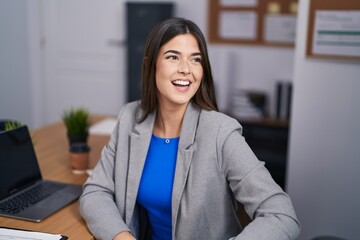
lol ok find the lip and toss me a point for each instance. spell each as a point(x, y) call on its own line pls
point(183, 80)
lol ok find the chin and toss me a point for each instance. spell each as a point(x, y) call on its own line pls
point(181, 102)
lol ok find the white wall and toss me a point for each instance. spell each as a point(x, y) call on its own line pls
point(15, 85)
point(324, 159)
point(250, 68)
point(246, 67)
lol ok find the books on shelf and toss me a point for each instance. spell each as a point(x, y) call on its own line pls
point(248, 105)
point(283, 99)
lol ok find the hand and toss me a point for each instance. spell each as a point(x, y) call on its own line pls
point(124, 236)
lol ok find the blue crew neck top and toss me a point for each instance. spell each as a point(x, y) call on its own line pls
point(155, 189)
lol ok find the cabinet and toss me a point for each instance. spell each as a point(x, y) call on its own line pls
point(268, 138)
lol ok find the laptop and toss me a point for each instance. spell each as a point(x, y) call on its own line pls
point(24, 194)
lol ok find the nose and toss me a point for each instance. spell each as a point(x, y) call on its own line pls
point(184, 68)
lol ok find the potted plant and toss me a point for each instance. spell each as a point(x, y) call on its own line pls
point(6, 125)
point(76, 121)
point(77, 124)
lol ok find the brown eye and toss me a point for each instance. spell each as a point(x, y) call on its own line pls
point(172, 57)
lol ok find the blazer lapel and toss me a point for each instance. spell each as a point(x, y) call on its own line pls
point(184, 157)
point(139, 144)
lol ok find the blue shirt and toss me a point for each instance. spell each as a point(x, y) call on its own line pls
point(155, 190)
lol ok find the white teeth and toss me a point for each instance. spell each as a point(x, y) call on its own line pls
point(181, 82)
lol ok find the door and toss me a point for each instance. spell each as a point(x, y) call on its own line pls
point(84, 55)
point(141, 18)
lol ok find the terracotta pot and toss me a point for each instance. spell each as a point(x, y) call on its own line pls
point(79, 157)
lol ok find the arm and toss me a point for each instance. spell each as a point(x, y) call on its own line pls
point(97, 205)
point(269, 207)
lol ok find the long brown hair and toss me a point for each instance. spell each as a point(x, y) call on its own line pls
point(160, 35)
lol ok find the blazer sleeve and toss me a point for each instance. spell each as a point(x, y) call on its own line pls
point(269, 207)
point(97, 205)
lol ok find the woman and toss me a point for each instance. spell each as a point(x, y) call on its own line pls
point(174, 167)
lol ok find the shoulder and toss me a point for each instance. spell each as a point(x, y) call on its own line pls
point(130, 107)
point(130, 110)
point(129, 113)
point(217, 125)
point(217, 119)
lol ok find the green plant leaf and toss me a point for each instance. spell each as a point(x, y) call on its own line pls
point(12, 125)
point(76, 121)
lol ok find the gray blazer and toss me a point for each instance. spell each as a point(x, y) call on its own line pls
point(215, 168)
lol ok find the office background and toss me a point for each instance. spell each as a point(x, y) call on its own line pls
point(323, 165)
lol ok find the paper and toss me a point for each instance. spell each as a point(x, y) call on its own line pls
point(104, 127)
point(240, 3)
point(337, 33)
point(7, 234)
point(280, 28)
point(89, 171)
point(238, 25)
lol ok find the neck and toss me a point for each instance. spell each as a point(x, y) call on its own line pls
point(168, 121)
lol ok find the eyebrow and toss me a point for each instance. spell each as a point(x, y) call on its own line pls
point(177, 52)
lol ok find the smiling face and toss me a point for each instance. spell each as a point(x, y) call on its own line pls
point(178, 71)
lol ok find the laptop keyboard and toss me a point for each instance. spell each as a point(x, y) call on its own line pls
point(30, 197)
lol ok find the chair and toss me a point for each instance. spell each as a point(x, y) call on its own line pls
point(244, 219)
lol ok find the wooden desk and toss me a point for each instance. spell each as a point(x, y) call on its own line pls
point(51, 148)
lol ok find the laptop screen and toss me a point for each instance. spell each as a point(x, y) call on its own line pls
point(19, 167)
